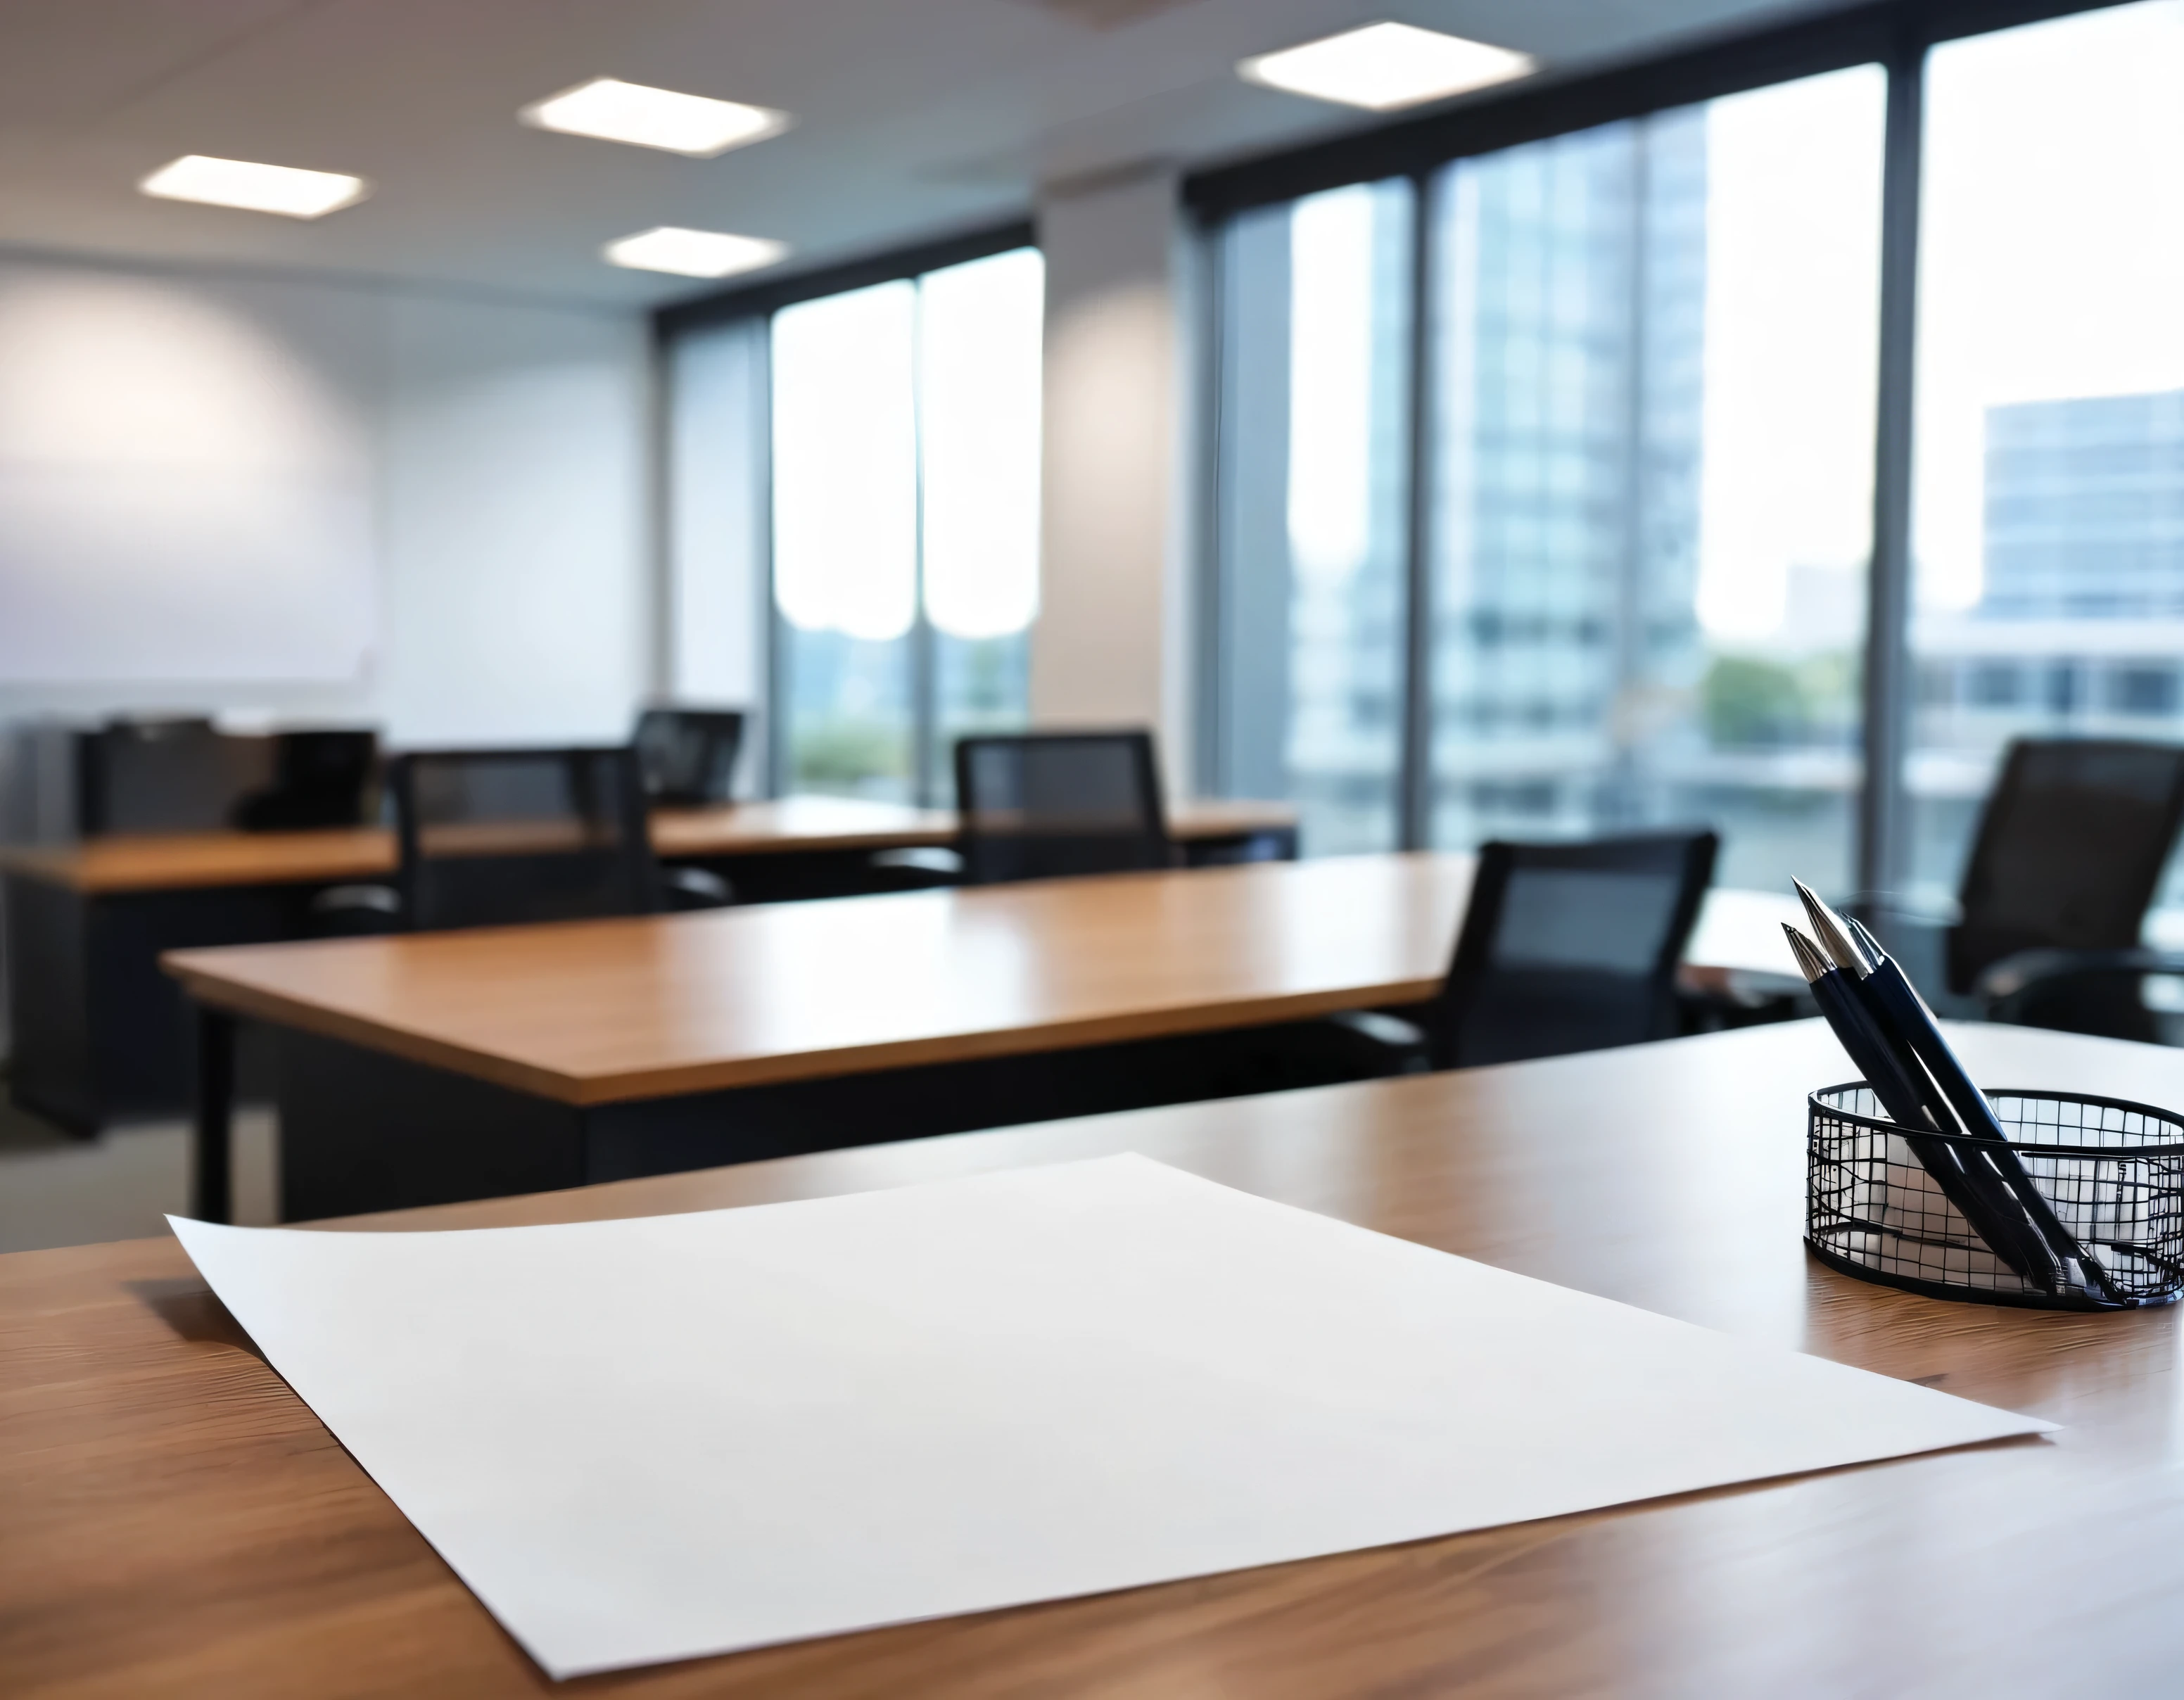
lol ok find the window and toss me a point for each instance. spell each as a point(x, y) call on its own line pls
point(1650, 464)
point(1314, 396)
point(2048, 520)
point(905, 459)
point(1649, 352)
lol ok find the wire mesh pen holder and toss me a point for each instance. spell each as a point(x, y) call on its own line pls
point(2113, 1172)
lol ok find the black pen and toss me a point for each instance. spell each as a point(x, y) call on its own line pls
point(1899, 1008)
point(1911, 1103)
point(1899, 1000)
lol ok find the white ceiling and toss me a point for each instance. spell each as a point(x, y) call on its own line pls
point(913, 117)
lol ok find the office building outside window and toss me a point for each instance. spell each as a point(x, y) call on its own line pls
point(1654, 347)
point(2048, 519)
point(1649, 352)
point(905, 463)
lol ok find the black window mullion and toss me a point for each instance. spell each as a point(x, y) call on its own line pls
point(924, 715)
point(1415, 770)
point(776, 646)
point(1886, 685)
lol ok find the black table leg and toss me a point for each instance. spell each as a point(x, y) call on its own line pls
point(211, 1199)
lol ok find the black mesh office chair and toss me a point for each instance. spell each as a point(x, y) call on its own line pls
point(1569, 947)
point(688, 755)
point(319, 779)
point(2070, 850)
point(496, 837)
point(1040, 805)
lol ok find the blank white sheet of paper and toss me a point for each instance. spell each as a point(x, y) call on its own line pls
point(647, 1440)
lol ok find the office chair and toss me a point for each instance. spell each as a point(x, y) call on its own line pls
point(688, 755)
point(319, 779)
point(1564, 947)
point(1569, 947)
point(499, 837)
point(145, 775)
point(1040, 805)
point(2070, 850)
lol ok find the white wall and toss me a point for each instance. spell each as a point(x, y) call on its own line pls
point(455, 488)
point(1111, 646)
point(519, 583)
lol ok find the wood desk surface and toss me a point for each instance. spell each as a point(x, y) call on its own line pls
point(179, 1522)
point(178, 860)
point(603, 1012)
point(607, 1012)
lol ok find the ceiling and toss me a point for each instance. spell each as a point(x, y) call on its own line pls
point(914, 118)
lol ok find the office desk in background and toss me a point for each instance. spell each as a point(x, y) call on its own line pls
point(438, 1066)
point(179, 1520)
point(98, 1034)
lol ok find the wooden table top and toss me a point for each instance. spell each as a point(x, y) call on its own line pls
point(606, 1011)
point(178, 1522)
point(176, 861)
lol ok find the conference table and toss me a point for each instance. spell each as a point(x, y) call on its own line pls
point(430, 1067)
point(98, 1034)
point(180, 1522)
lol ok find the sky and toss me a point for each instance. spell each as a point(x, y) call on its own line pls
point(2051, 265)
point(2051, 255)
point(906, 419)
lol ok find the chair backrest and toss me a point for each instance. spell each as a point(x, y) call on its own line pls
point(1039, 804)
point(319, 779)
point(2069, 850)
point(499, 837)
point(143, 775)
point(688, 755)
point(1570, 947)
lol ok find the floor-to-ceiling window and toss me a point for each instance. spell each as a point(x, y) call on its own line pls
point(1312, 411)
point(905, 458)
point(2048, 524)
point(1652, 356)
point(1638, 560)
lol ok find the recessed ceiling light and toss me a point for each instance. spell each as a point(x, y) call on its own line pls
point(281, 189)
point(1384, 66)
point(690, 124)
point(694, 254)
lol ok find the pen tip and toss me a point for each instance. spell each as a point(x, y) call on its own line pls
point(1836, 943)
point(1810, 962)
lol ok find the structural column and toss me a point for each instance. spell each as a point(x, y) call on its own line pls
point(1113, 643)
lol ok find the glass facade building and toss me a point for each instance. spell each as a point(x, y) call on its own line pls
point(2048, 518)
point(1626, 520)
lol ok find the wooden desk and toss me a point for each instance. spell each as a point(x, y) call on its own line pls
point(789, 826)
point(100, 1034)
point(564, 1046)
point(180, 1523)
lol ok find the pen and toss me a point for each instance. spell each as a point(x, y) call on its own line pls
point(1913, 1103)
point(1898, 1009)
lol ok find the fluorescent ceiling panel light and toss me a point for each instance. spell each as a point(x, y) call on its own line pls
point(282, 189)
point(691, 123)
point(694, 254)
point(1384, 66)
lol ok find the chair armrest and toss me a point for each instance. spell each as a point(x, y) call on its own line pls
point(340, 900)
point(2015, 974)
point(937, 859)
point(1391, 1031)
point(696, 888)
